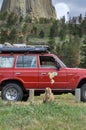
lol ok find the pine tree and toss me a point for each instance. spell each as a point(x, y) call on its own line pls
point(83, 55)
point(13, 35)
point(54, 29)
point(4, 35)
point(41, 34)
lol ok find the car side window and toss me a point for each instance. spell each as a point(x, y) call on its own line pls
point(6, 61)
point(26, 62)
point(47, 62)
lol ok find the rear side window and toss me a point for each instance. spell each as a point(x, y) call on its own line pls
point(6, 61)
point(26, 62)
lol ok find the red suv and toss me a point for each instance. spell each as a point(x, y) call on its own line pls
point(36, 68)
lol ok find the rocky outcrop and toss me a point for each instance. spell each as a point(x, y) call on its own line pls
point(16, 6)
point(35, 8)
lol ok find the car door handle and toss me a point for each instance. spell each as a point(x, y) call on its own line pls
point(43, 73)
point(18, 73)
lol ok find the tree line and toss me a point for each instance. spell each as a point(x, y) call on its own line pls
point(66, 39)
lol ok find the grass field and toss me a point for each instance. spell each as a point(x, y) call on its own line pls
point(62, 114)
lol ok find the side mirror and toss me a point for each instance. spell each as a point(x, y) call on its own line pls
point(58, 66)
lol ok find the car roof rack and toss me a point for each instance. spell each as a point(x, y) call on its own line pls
point(27, 49)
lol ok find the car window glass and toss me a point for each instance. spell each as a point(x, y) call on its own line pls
point(47, 62)
point(26, 61)
point(6, 61)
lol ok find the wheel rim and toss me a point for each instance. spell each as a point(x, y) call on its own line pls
point(11, 94)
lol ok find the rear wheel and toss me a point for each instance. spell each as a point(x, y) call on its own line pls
point(83, 92)
point(12, 92)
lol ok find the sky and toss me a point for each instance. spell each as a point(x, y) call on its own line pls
point(74, 7)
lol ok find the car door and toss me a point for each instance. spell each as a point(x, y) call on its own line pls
point(49, 75)
point(26, 71)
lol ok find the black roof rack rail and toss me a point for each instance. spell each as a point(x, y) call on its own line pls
point(29, 49)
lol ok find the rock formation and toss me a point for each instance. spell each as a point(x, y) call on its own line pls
point(34, 8)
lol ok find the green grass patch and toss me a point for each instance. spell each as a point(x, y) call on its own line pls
point(58, 115)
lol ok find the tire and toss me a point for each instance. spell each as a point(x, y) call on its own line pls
point(83, 92)
point(12, 92)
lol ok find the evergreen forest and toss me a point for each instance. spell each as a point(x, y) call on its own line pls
point(67, 39)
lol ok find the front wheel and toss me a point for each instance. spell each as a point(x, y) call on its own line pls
point(12, 92)
point(83, 92)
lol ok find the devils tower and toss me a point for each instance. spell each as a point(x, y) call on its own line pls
point(34, 8)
